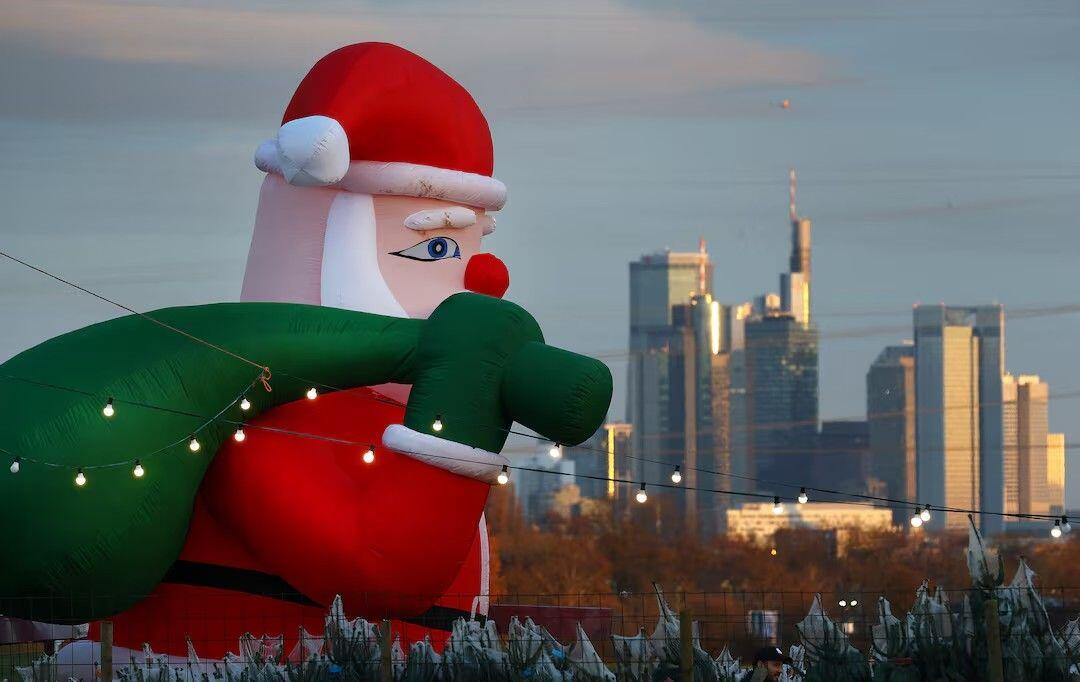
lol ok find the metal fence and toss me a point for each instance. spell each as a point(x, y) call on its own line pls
point(740, 621)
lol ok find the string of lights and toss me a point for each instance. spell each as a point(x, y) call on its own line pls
point(1061, 524)
point(109, 411)
point(369, 455)
point(312, 393)
point(555, 450)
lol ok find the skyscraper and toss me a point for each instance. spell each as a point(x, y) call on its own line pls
point(699, 410)
point(742, 466)
point(890, 410)
point(780, 372)
point(795, 284)
point(658, 283)
point(959, 364)
point(1055, 471)
point(679, 382)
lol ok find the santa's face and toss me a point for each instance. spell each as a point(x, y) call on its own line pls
point(423, 247)
point(389, 255)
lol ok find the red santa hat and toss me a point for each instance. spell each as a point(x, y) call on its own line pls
point(374, 118)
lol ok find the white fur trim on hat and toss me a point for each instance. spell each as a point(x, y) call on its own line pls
point(314, 152)
point(445, 454)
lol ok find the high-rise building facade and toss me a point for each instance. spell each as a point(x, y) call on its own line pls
point(658, 283)
point(959, 365)
point(1055, 471)
point(781, 357)
point(1032, 429)
point(841, 458)
point(890, 411)
point(679, 384)
point(742, 467)
point(699, 409)
point(1010, 445)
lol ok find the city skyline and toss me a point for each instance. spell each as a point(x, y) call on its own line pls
point(134, 173)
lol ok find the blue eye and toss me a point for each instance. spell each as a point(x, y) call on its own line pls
point(436, 248)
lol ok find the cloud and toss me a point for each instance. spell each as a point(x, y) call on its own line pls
point(512, 56)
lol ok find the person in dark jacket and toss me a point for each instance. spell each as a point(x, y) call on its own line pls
point(768, 664)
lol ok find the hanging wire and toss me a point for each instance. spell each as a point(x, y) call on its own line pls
point(164, 325)
point(265, 375)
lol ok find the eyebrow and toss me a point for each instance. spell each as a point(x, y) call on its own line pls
point(441, 218)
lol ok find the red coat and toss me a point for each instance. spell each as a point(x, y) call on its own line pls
point(282, 523)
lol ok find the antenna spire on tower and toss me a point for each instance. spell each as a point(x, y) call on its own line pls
point(792, 213)
point(701, 266)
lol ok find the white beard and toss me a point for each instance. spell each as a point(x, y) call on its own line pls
point(351, 277)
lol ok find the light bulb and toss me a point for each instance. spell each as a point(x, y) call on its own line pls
point(925, 513)
point(1055, 532)
point(843, 602)
point(108, 410)
point(803, 497)
point(14, 468)
point(777, 508)
point(916, 520)
point(239, 435)
point(369, 455)
point(642, 496)
point(80, 478)
point(193, 444)
point(854, 602)
point(312, 394)
point(555, 451)
point(676, 476)
point(504, 475)
point(1066, 527)
point(138, 471)
point(245, 404)
point(772, 551)
point(437, 424)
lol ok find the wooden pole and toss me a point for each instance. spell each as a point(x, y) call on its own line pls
point(386, 667)
point(993, 641)
point(686, 646)
point(106, 650)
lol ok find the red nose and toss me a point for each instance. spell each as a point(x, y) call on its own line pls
point(486, 274)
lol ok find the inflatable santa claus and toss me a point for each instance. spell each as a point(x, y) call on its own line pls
point(365, 472)
point(377, 193)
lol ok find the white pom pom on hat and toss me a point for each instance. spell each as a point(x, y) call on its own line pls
point(312, 151)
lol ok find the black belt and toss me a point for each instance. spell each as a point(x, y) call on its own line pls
point(274, 587)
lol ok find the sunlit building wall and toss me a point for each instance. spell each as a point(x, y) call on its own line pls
point(1055, 472)
point(959, 365)
point(758, 522)
point(1032, 427)
point(1011, 445)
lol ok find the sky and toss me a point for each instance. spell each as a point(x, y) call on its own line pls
point(936, 146)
